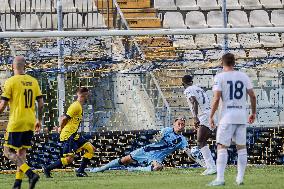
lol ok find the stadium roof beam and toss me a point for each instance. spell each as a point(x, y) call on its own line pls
point(141, 32)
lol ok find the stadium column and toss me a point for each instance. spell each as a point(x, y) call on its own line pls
point(224, 12)
point(60, 77)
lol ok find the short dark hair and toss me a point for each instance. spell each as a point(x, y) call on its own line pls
point(187, 79)
point(228, 59)
point(82, 90)
point(182, 118)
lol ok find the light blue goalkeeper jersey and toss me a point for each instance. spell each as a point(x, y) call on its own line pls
point(169, 142)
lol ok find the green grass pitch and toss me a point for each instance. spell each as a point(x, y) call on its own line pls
point(269, 177)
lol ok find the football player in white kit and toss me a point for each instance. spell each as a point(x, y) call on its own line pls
point(232, 88)
point(199, 104)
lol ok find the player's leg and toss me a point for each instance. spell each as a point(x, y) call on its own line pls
point(65, 160)
point(114, 163)
point(223, 138)
point(19, 174)
point(240, 139)
point(203, 134)
point(11, 154)
point(20, 140)
point(27, 143)
point(68, 157)
point(89, 154)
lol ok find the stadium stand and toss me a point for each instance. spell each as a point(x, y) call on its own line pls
point(250, 4)
point(29, 22)
point(186, 5)
point(49, 21)
point(195, 19)
point(42, 6)
point(215, 19)
point(268, 4)
point(207, 4)
point(277, 17)
point(238, 18)
point(20, 5)
point(173, 20)
point(231, 4)
point(165, 5)
point(5, 6)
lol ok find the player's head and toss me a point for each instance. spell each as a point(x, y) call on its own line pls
point(19, 65)
point(187, 80)
point(83, 93)
point(228, 60)
point(179, 124)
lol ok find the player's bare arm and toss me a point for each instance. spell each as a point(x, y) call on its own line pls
point(195, 105)
point(40, 104)
point(3, 105)
point(215, 104)
point(253, 106)
point(64, 120)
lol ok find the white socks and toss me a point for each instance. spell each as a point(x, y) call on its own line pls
point(242, 163)
point(206, 153)
point(222, 158)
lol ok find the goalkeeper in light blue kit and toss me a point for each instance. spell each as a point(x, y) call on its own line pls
point(150, 157)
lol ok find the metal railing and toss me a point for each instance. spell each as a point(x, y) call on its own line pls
point(162, 108)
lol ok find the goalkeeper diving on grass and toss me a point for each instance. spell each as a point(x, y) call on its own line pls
point(150, 157)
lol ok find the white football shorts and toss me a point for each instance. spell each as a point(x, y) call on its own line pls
point(226, 133)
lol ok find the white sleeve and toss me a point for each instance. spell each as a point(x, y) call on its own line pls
point(217, 86)
point(188, 93)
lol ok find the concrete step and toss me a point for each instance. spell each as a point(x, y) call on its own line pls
point(138, 23)
point(130, 4)
point(154, 41)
